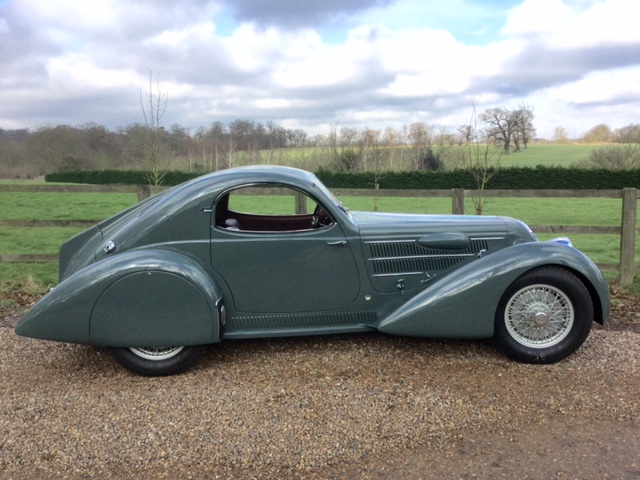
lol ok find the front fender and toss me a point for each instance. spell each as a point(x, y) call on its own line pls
point(463, 304)
point(139, 298)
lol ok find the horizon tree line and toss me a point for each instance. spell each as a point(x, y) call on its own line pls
point(25, 153)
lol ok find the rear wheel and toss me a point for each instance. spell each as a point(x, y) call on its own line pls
point(158, 361)
point(544, 316)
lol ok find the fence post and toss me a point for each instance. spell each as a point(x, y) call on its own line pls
point(628, 235)
point(144, 192)
point(457, 201)
point(301, 203)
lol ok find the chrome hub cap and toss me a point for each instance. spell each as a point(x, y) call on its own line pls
point(540, 319)
point(539, 316)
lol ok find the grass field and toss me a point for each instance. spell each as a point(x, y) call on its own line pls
point(312, 158)
point(88, 206)
point(95, 207)
point(549, 155)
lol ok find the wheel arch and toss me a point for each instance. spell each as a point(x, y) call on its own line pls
point(164, 298)
point(599, 315)
point(598, 306)
point(457, 305)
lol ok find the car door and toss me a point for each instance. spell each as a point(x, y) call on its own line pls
point(291, 267)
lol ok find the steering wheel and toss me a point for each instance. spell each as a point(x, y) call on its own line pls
point(320, 217)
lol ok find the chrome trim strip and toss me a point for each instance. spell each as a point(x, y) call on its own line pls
point(390, 241)
point(415, 240)
point(397, 274)
point(458, 255)
point(486, 238)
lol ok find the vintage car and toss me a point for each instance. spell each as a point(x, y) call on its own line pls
point(198, 263)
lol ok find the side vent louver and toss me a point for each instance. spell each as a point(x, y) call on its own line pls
point(407, 257)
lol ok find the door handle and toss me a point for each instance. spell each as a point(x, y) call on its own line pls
point(338, 242)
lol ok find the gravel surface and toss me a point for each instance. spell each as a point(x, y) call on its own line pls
point(364, 406)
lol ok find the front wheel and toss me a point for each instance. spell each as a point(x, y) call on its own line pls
point(544, 316)
point(158, 361)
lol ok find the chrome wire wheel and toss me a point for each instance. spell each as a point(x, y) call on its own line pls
point(539, 316)
point(156, 353)
point(157, 361)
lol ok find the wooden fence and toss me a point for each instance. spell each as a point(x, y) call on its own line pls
point(627, 229)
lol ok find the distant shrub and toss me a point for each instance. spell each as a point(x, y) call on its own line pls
point(619, 157)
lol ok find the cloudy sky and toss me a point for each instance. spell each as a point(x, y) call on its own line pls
point(313, 63)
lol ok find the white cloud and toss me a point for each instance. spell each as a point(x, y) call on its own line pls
point(597, 87)
point(563, 25)
point(537, 17)
point(394, 64)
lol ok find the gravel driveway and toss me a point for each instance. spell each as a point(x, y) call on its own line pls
point(364, 406)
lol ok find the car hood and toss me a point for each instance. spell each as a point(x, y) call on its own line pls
point(399, 225)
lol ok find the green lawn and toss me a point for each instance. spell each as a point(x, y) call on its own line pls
point(534, 211)
point(62, 206)
point(96, 206)
point(536, 154)
point(548, 155)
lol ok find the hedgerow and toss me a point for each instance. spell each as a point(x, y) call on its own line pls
point(512, 178)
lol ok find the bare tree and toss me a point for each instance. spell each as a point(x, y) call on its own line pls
point(628, 134)
point(466, 133)
point(524, 126)
point(560, 135)
point(421, 138)
point(395, 146)
point(154, 104)
point(370, 148)
point(505, 126)
point(483, 161)
point(599, 134)
point(61, 148)
point(371, 158)
point(500, 126)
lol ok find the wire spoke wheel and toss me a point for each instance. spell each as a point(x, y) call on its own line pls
point(539, 316)
point(158, 361)
point(157, 353)
point(544, 316)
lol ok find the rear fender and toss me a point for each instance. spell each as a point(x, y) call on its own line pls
point(463, 304)
point(137, 298)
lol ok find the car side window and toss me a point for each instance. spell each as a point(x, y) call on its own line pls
point(269, 208)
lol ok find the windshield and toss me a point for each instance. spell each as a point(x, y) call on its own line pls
point(333, 199)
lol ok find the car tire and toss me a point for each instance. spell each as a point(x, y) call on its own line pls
point(544, 316)
point(156, 362)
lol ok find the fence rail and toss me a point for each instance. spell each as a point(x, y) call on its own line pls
point(627, 229)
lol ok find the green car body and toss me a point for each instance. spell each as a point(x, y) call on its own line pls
point(183, 268)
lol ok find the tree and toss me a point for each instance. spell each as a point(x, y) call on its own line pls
point(395, 146)
point(421, 138)
point(466, 133)
point(524, 126)
point(154, 104)
point(15, 161)
point(501, 125)
point(560, 135)
point(482, 162)
point(60, 148)
point(628, 134)
point(505, 126)
point(370, 149)
point(599, 134)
